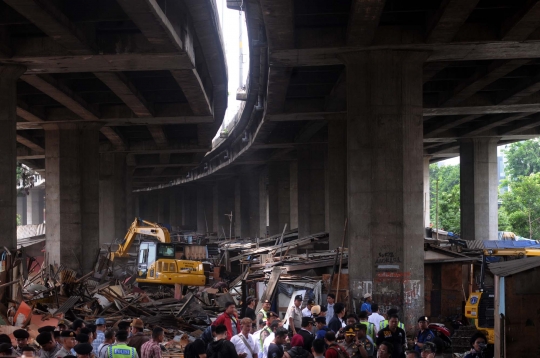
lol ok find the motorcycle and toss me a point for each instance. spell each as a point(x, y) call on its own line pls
point(442, 332)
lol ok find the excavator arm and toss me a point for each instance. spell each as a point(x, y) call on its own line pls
point(143, 227)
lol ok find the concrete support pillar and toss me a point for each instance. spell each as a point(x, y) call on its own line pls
point(279, 206)
point(112, 198)
point(72, 194)
point(8, 154)
point(242, 206)
point(293, 188)
point(224, 198)
point(337, 181)
point(190, 208)
point(163, 206)
point(384, 179)
point(263, 203)
point(22, 208)
point(478, 188)
point(35, 205)
point(254, 198)
point(136, 205)
point(426, 197)
point(131, 204)
point(176, 206)
point(311, 189)
point(201, 217)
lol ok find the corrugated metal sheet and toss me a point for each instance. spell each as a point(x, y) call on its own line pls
point(68, 304)
point(508, 268)
point(510, 244)
point(26, 231)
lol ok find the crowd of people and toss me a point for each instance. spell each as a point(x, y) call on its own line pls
point(317, 331)
point(82, 340)
point(313, 332)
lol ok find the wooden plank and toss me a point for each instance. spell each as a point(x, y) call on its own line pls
point(270, 287)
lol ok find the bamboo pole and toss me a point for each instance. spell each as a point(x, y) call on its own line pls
point(341, 257)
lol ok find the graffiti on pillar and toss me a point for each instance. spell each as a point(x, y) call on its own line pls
point(411, 291)
point(387, 257)
point(387, 291)
point(360, 288)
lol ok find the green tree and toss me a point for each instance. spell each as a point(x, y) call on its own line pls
point(448, 188)
point(522, 206)
point(522, 159)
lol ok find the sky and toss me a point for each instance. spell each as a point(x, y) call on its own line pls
point(231, 37)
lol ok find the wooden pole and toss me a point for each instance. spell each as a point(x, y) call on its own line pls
point(341, 257)
point(281, 248)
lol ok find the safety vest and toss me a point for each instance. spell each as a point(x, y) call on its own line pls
point(265, 315)
point(370, 329)
point(384, 324)
point(121, 351)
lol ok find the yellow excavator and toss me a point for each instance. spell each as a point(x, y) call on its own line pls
point(481, 305)
point(156, 261)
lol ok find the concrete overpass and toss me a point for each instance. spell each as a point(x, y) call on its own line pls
point(348, 103)
point(97, 95)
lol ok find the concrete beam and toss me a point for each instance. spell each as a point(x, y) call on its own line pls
point(447, 124)
point(25, 112)
point(459, 51)
point(481, 79)
point(278, 84)
point(491, 123)
point(279, 23)
point(526, 87)
point(511, 108)
point(315, 116)
point(30, 144)
point(193, 89)
point(521, 126)
point(55, 24)
point(363, 21)
point(447, 21)
point(523, 23)
point(431, 69)
point(153, 23)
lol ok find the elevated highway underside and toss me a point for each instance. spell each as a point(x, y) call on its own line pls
point(348, 103)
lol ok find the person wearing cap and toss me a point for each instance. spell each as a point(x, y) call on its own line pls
point(275, 326)
point(250, 309)
point(295, 315)
point(100, 334)
point(263, 313)
point(306, 312)
point(353, 348)
point(244, 343)
point(306, 332)
point(315, 311)
point(393, 334)
point(68, 340)
point(362, 338)
point(21, 336)
point(366, 306)
point(322, 328)
point(28, 352)
point(152, 348)
point(62, 326)
point(121, 349)
point(84, 350)
point(49, 347)
point(424, 334)
point(138, 338)
point(229, 318)
point(391, 312)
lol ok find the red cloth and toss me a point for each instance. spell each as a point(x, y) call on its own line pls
point(331, 352)
point(297, 341)
point(225, 319)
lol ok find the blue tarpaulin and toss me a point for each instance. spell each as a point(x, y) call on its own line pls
point(510, 244)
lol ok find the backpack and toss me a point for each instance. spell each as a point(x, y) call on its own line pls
point(189, 351)
point(341, 353)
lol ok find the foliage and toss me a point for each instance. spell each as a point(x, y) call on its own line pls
point(522, 206)
point(522, 159)
point(19, 220)
point(449, 206)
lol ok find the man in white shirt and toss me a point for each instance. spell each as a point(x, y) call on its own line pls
point(244, 343)
point(375, 317)
point(306, 312)
point(331, 300)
